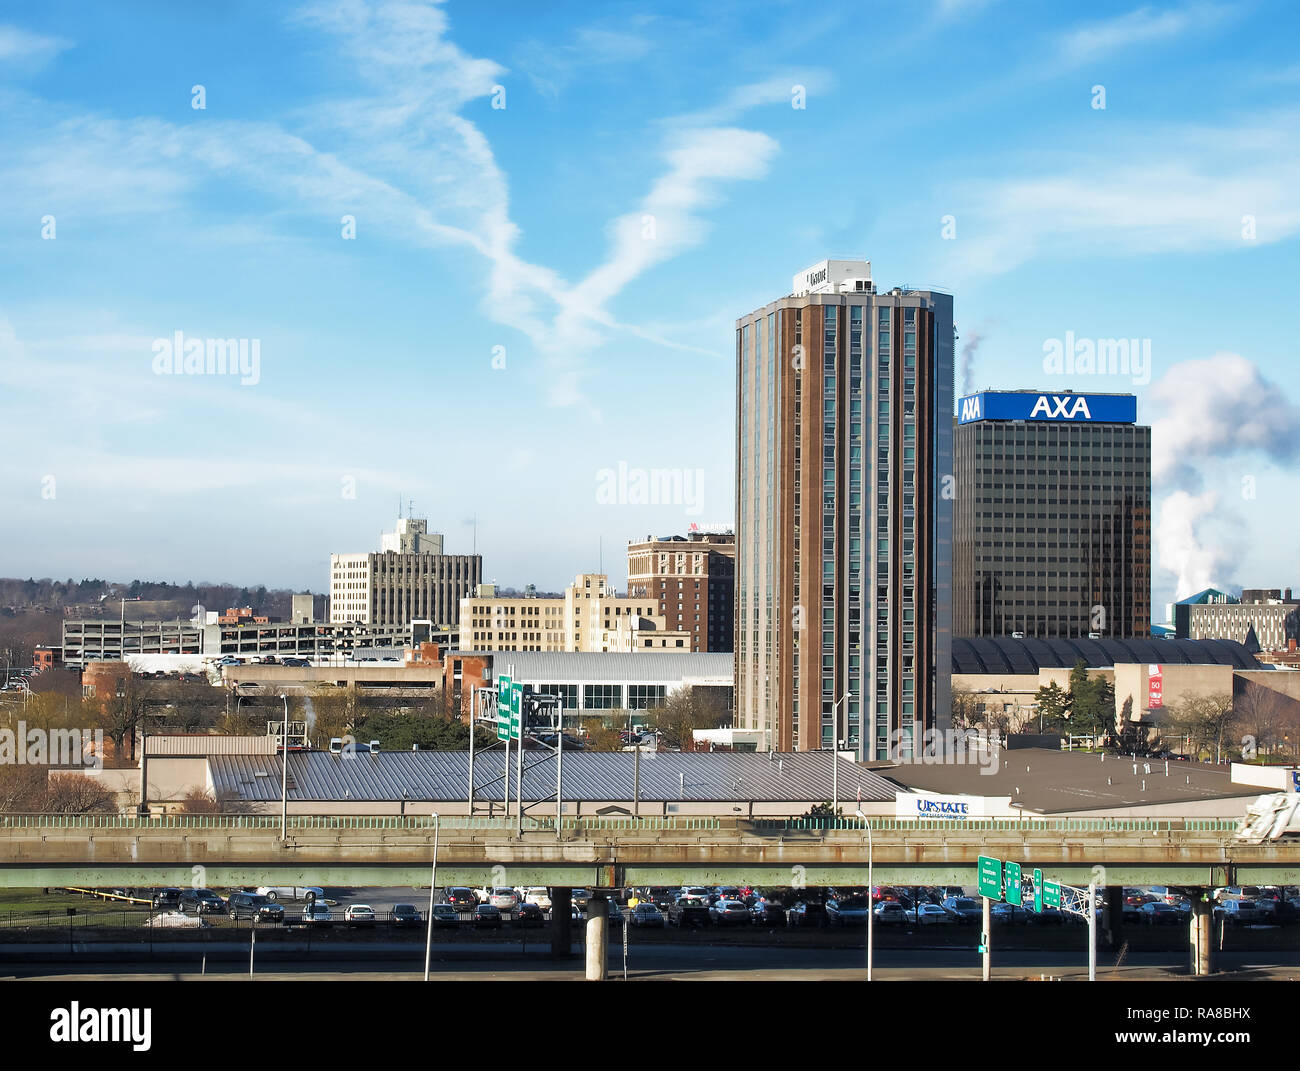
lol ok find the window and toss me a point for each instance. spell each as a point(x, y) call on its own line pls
point(644, 696)
point(602, 696)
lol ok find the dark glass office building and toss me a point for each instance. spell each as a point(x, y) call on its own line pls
point(1052, 516)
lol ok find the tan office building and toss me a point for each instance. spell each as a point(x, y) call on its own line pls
point(591, 616)
point(397, 586)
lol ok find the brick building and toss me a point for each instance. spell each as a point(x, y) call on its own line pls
point(691, 580)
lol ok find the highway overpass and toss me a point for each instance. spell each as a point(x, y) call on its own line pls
point(38, 851)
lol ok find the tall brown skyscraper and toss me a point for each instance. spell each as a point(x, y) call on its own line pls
point(843, 538)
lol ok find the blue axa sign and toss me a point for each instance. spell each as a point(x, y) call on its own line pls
point(1028, 405)
point(944, 808)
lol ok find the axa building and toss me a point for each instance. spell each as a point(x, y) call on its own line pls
point(1052, 515)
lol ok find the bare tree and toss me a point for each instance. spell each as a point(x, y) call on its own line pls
point(77, 794)
point(1262, 715)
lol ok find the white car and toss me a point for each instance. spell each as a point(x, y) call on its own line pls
point(291, 892)
point(539, 896)
point(317, 914)
point(359, 914)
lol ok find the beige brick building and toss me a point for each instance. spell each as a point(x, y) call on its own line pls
point(397, 586)
point(591, 616)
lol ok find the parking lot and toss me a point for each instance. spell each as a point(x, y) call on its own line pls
point(826, 918)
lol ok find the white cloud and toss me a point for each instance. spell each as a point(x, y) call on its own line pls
point(1218, 409)
point(1164, 189)
point(19, 46)
point(1144, 25)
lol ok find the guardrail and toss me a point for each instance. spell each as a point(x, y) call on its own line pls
point(764, 826)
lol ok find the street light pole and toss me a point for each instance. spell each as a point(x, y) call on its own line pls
point(284, 773)
point(835, 755)
point(433, 884)
point(871, 888)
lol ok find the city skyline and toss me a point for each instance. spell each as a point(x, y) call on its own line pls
point(409, 267)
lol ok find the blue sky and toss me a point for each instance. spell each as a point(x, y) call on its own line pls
point(646, 182)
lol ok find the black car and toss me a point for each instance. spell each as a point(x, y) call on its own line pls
point(445, 916)
point(688, 911)
point(767, 912)
point(529, 915)
point(252, 906)
point(462, 899)
point(405, 915)
point(966, 910)
point(201, 902)
point(806, 913)
point(167, 898)
point(485, 915)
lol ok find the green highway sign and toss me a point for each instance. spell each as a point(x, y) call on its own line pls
point(516, 710)
point(1052, 893)
point(1038, 890)
point(1013, 892)
point(990, 877)
point(503, 708)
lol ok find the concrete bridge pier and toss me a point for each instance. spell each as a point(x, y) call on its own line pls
point(561, 929)
point(1202, 935)
point(597, 939)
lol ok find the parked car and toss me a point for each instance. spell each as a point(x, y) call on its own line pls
point(689, 911)
point(359, 915)
point(461, 898)
point(291, 892)
point(244, 905)
point(1008, 915)
point(806, 913)
point(966, 910)
point(891, 913)
point(539, 896)
point(648, 915)
point(445, 917)
point(847, 911)
point(504, 900)
point(315, 913)
point(1159, 913)
point(487, 917)
point(728, 913)
point(167, 899)
point(928, 914)
point(529, 914)
point(764, 912)
point(580, 898)
point(201, 902)
point(1241, 912)
point(724, 892)
point(405, 915)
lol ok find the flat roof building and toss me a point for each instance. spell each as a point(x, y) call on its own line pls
point(843, 533)
point(591, 617)
point(1052, 521)
point(691, 580)
point(410, 578)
